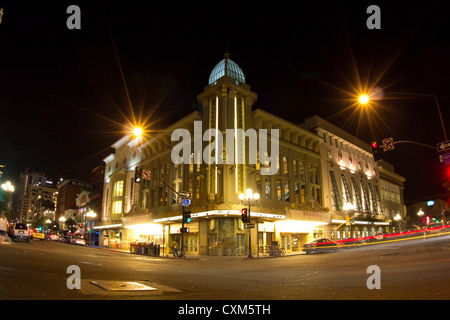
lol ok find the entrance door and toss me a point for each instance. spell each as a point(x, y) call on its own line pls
point(286, 242)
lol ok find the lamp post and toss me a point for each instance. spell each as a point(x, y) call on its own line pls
point(62, 220)
point(90, 214)
point(9, 189)
point(398, 219)
point(248, 198)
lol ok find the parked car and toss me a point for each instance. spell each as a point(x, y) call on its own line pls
point(53, 237)
point(38, 235)
point(78, 241)
point(320, 245)
point(20, 232)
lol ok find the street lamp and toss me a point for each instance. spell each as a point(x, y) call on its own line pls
point(398, 219)
point(364, 99)
point(249, 198)
point(90, 214)
point(62, 220)
point(7, 186)
point(137, 131)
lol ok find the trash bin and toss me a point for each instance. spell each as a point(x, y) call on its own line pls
point(151, 250)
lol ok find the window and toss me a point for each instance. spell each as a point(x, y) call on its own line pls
point(285, 166)
point(267, 190)
point(197, 188)
point(294, 166)
point(118, 189)
point(286, 191)
point(301, 171)
point(278, 189)
point(117, 207)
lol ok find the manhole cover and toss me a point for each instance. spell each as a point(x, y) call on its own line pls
point(122, 286)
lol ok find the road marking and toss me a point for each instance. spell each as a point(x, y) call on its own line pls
point(92, 263)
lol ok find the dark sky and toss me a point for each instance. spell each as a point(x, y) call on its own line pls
point(63, 102)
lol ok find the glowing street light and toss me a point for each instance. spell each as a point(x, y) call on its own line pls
point(137, 131)
point(248, 198)
point(363, 99)
point(7, 186)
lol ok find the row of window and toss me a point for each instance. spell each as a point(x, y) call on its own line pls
point(363, 196)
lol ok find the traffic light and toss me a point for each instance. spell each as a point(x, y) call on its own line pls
point(138, 175)
point(244, 215)
point(377, 151)
point(187, 216)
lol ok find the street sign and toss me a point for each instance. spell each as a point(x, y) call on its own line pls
point(146, 174)
point(249, 225)
point(185, 202)
point(445, 158)
point(442, 146)
point(185, 194)
point(388, 144)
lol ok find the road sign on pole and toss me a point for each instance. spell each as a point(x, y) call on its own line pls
point(442, 146)
point(185, 202)
point(445, 158)
point(388, 144)
point(146, 174)
point(185, 194)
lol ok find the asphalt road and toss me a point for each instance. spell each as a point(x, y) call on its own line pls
point(413, 269)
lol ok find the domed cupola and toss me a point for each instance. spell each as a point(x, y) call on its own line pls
point(226, 67)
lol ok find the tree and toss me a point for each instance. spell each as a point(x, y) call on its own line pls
point(5, 199)
point(71, 225)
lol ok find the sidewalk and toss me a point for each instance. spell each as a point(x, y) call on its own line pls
point(202, 257)
point(6, 240)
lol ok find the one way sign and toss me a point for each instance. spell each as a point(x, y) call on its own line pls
point(443, 146)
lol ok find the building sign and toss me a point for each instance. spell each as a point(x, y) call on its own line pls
point(310, 216)
point(310, 210)
point(81, 184)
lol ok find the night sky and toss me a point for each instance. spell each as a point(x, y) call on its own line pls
point(63, 101)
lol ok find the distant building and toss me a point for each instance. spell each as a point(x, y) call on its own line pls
point(24, 199)
point(392, 185)
point(41, 203)
point(434, 207)
point(68, 191)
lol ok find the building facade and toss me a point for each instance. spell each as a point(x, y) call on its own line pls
point(25, 199)
point(288, 213)
point(352, 183)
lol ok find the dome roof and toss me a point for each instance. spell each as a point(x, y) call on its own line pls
point(232, 70)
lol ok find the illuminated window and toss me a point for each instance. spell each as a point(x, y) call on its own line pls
point(117, 207)
point(285, 166)
point(267, 188)
point(278, 189)
point(118, 189)
point(286, 191)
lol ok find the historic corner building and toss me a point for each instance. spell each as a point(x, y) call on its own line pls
point(296, 203)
